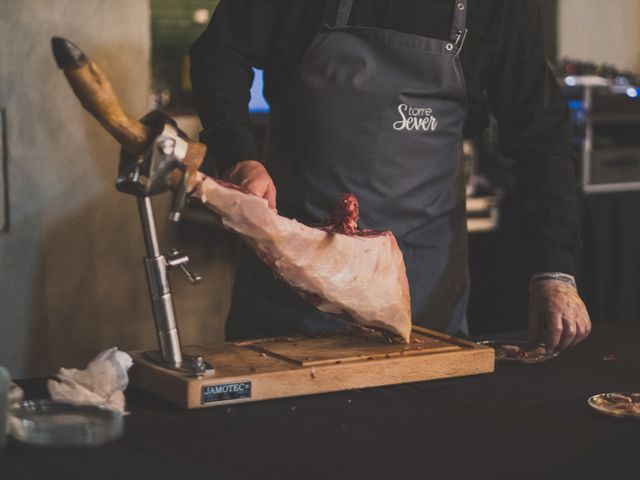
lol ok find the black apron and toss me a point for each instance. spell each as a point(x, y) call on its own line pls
point(380, 114)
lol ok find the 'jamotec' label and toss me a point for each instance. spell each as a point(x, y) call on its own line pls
point(225, 391)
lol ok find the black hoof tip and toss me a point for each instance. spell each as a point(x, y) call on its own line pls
point(67, 54)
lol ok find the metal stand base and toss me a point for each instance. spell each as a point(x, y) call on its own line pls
point(191, 366)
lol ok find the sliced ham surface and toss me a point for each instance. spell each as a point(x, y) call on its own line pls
point(336, 267)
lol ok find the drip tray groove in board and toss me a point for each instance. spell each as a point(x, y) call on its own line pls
point(346, 348)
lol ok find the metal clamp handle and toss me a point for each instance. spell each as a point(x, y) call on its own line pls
point(176, 259)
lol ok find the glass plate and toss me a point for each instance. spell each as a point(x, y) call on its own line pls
point(60, 424)
point(499, 345)
point(610, 404)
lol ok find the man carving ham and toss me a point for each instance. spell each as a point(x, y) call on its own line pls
point(373, 97)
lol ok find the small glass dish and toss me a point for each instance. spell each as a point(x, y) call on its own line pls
point(518, 351)
point(60, 424)
point(617, 404)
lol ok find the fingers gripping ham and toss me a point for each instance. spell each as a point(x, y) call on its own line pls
point(335, 266)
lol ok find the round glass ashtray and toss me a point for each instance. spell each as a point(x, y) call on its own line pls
point(520, 352)
point(620, 405)
point(59, 424)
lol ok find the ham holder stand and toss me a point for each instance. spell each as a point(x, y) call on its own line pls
point(144, 177)
point(157, 158)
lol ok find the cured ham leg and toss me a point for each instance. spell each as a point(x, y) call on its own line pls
point(335, 266)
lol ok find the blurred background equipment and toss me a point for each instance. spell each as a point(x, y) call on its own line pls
point(605, 117)
point(175, 25)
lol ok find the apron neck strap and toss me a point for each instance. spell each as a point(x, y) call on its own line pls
point(344, 12)
point(459, 22)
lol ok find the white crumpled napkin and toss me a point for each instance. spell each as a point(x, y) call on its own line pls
point(15, 395)
point(10, 396)
point(102, 383)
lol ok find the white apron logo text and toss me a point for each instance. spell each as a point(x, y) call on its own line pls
point(416, 119)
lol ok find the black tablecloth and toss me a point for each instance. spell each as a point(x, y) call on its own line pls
point(523, 421)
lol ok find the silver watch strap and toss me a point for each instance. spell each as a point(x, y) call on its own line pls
point(561, 277)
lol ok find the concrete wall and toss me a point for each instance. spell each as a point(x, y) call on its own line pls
point(71, 275)
point(600, 31)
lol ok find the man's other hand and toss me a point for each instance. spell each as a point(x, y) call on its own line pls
point(557, 315)
point(252, 176)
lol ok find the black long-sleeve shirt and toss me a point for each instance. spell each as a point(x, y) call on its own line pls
point(504, 68)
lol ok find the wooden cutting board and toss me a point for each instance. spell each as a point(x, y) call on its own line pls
point(285, 367)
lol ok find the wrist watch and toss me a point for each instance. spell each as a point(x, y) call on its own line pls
point(561, 277)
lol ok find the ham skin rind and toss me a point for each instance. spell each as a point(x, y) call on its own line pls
point(361, 274)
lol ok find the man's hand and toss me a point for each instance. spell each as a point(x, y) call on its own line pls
point(251, 175)
point(557, 314)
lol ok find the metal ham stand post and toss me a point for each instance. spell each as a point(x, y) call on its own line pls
point(144, 177)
